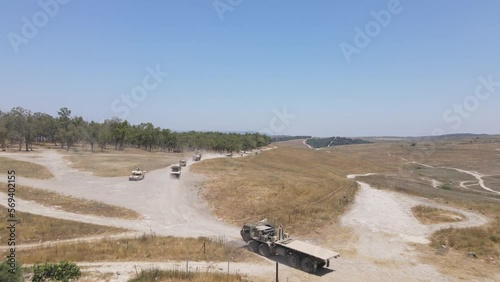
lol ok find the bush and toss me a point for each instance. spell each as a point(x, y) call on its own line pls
point(446, 186)
point(63, 271)
point(7, 276)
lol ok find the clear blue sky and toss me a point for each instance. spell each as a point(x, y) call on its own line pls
point(264, 55)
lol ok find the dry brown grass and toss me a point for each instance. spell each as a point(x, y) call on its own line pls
point(456, 264)
point(119, 163)
point(465, 153)
point(409, 178)
point(147, 247)
point(36, 228)
point(396, 174)
point(443, 175)
point(95, 276)
point(71, 204)
point(24, 169)
point(298, 188)
point(431, 215)
point(483, 240)
point(157, 275)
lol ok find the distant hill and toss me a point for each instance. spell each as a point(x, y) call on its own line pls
point(334, 141)
point(279, 138)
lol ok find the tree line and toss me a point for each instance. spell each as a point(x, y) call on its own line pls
point(280, 138)
point(334, 141)
point(21, 127)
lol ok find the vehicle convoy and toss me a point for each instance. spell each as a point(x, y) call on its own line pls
point(137, 174)
point(183, 163)
point(175, 171)
point(262, 238)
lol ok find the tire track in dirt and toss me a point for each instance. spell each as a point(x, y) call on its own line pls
point(386, 231)
point(168, 206)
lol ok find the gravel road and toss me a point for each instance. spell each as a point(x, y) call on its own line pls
point(385, 228)
point(169, 206)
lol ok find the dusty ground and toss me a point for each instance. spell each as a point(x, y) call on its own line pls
point(168, 206)
point(383, 247)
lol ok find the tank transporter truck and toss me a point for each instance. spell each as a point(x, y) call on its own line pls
point(263, 239)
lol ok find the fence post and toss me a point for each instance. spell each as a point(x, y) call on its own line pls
point(277, 276)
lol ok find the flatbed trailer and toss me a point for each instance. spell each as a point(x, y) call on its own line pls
point(262, 238)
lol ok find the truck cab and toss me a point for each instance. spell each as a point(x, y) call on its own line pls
point(259, 232)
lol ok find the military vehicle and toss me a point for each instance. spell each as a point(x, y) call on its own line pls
point(261, 238)
point(197, 158)
point(183, 163)
point(137, 174)
point(175, 171)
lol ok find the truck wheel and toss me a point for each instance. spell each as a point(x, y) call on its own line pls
point(308, 265)
point(264, 250)
point(293, 260)
point(254, 246)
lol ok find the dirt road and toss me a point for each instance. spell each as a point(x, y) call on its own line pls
point(475, 174)
point(168, 206)
point(385, 230)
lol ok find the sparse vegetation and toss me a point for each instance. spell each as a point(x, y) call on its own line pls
point(482, 240)
point(444, 175)
point(446, 186)
point(298, 188)
point(157, 275)
point(120, 163)
point(147, 247)
point(431, 215)
point(25, 169)
point(7, 276)
point(407, 178)
point(71, 204)
point(37, 228)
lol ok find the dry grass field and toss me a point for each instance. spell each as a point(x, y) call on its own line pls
point(285, 181)
point(431, 215)
point(304, 190)
point(298, 188)
point(74, 205)
point(112, 163)
point(468, 154)
point(156, 275)
point(24, 169)
point(147, 247)
point(35, 228)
